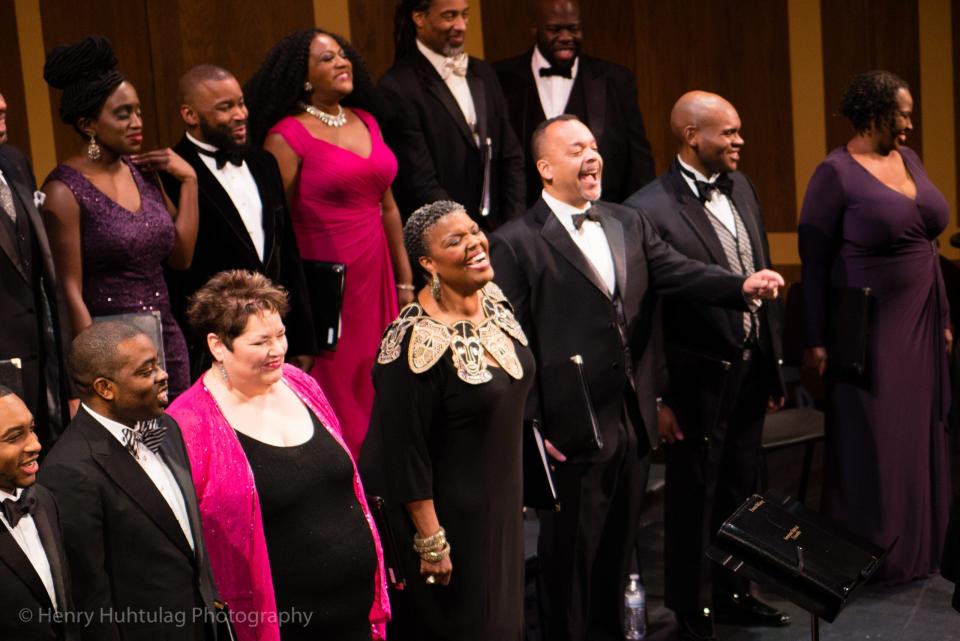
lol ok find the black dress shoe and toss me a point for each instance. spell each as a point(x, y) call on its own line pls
point(745, 609)
point(695, 628)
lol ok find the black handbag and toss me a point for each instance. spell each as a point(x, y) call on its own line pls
point(850, 321)
point(778, 542)
point(325, 282)
point(391, 552)
point(539, 490)
point(569, 419)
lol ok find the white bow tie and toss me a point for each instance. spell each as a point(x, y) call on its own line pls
point(454, 65)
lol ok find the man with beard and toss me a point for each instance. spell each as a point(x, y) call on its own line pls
point(446, 119)
point(579, 273)
point(723, 364)
point(244, 222)
point(121, 478)
point(554, 78)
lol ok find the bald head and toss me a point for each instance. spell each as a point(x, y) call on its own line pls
point(707, 128)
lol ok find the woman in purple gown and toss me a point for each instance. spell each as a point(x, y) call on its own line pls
point(870, 219)
point(337, 172)
point(111, 228)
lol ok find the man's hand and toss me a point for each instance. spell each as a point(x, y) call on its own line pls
point(554, 453)
point(775, 403)
point(765, 283)
point(668, 426)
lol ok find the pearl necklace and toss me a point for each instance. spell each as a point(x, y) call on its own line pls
point(328, 119)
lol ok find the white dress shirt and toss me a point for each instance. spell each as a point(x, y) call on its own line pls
point(155, 468)
point(458, 87)
point(242, 189)
point(554, 91)
point(589, 238)
point(27, 537)
point(718, 205)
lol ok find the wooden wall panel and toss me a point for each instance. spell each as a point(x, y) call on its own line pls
point(11, 80)
point(860, 35)
point(738, 49)
point(235, 34)
point(955, 28)
point(371, 31)
point(126, 26)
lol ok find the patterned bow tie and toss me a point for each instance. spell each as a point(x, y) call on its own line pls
point(222, 157)
point(578, 219)
point(723, 184)
point(565, 72)
point(148, 433)
point(16, 510)
point(454, 65)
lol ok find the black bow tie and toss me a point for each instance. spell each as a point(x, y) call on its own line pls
point(566, 72)
point(16, 510)
point(148, 433)
point(587, 215)
point(223, 157)
point(723, 184)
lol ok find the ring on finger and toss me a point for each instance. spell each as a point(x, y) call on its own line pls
point(431, 579)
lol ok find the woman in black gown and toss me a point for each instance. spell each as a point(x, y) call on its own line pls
point(451, 381)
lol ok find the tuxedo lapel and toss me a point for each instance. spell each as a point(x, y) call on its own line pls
point(269, 219)
point(613, 229)
point(558, 237)
point(436, 86)
point(175, 461)
point(595, 89)
point(131, 479)
point(692, 211)
point(477, 91)
point(7, 238)
point(15, 558)
point(52, 545)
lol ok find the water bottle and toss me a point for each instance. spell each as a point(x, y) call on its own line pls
point(635, 610)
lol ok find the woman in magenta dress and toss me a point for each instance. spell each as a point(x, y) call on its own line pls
point(870, 219)
point(337, 173)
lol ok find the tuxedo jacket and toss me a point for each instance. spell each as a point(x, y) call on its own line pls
point(126, 549)
point(223, 243)
point(436, 152)
point(565, 309)
point(604, 97)
point(22, 590)
point(700, 338)
point(27, 333)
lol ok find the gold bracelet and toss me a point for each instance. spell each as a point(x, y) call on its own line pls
point(406, 287)
point(430, 543)
point(435, 556)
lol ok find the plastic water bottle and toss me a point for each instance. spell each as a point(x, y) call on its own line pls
point(635, 610)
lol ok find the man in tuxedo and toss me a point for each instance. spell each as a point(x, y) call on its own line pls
point(554, 78)
point(244, 222)
point(447, 121)
point(121, 477)
point(723, 365)
point(33, 329)
point(578, 272)
point(34, 588)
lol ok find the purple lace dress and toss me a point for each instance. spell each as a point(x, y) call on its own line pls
point(123, 253)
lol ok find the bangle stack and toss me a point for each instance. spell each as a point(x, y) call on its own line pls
point(432, 549)
point(405, 287)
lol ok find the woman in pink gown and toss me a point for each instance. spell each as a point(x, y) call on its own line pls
point(337, 173)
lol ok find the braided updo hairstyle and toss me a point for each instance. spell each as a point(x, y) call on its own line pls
point(871, 99)
point(277, 86)
point(87, 73)
point(419, 225)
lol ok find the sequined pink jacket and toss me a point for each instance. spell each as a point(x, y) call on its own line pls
point(230, 508)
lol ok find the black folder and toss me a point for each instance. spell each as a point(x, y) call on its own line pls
point(325, 282)
point(391, 553)
point(849, 324)
point(778, 542)
point(569, 419)
point(539, 490)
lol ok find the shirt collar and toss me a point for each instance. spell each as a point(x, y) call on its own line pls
point(562, 210)
point(109, 424)
point(15, 496)
point(202, 145)
point(538, 62)
point(696, 176)
point(432, 56)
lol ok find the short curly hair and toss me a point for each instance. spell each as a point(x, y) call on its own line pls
point(228, 300)
point(419, 225)
point(871, 100)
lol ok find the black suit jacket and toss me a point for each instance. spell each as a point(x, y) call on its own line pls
point(438, 157)
point(698, 338)
point(566, 309)
point(21, 589)
point(223, 243)
point(124, 544)
point(604, 97)
point(25, 333)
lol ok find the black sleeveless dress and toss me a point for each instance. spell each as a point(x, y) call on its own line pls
point(322, 554)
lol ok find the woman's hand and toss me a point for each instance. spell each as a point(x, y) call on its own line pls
point(815, 359)
point(441, 571)
point(404, 296)
point(165, 160)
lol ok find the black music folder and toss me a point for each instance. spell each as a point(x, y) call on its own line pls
point(326, 281)
point(849, 324)
point(391, 553)
point(539, 490)
point(569, 419)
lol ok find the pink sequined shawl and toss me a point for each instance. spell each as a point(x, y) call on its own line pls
point(230, 507)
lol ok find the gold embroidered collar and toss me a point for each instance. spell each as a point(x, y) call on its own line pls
point(469, 343)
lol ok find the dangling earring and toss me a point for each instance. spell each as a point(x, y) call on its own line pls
point(94, 152)
point(435, 287)
point(223, 371)
point(307, 87)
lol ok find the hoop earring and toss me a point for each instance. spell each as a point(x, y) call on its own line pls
point(94, 151)
point(435, 288)
point(307, 87)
